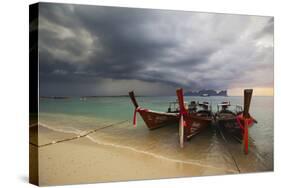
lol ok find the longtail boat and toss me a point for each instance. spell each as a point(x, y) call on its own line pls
point(236, 122)
point(192, 121)
point(154, 119)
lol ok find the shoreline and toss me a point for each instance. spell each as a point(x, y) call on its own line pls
point(57, 167)
point(72, 149)
point(69, 136)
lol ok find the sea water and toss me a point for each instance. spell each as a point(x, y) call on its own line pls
point(207, 149)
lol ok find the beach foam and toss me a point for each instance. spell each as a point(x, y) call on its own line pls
point(91, 136)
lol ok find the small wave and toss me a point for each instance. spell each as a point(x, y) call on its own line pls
point(96, 141)
point(63, 130)
point(156, 155)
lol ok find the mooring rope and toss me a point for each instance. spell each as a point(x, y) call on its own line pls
point(78, 136)
point(236, 164)
point(129, 148)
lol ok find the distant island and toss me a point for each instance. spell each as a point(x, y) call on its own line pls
point(206, 92)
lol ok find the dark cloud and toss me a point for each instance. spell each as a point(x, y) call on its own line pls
point(85, 49)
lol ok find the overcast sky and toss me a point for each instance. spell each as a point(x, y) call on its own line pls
point(94, 50)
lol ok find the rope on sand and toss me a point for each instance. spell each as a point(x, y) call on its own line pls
point(78, 136)
point(121, 122)
point(255, 151)
point(236, 164)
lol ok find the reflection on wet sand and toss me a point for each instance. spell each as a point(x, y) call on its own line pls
point(121, 152)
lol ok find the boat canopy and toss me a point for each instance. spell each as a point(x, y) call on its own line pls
point(224, 104)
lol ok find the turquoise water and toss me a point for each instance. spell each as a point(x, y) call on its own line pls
point(88, 114)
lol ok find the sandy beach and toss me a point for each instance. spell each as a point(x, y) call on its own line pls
point(84, 161)
point(78, 149)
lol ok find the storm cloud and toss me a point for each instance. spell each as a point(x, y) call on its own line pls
point(95, 50)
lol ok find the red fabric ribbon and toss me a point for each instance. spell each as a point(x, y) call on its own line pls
point(138, 109)
point(185, 124)
point(246, 121)
point(184, 113)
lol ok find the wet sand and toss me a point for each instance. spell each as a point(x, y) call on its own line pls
point(87, 142)
point(103, 151)
point(83, 161)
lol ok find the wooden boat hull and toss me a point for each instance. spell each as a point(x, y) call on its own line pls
point(236, 123)
point(155, 119)
point(197, 125)
point(228, 125)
